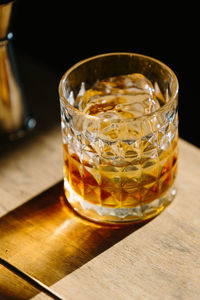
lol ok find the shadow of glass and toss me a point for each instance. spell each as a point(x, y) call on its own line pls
point(47, 239)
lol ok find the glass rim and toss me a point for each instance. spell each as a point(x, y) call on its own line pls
point(83, 61)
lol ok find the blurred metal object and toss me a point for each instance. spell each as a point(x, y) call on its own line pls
point(15, 120)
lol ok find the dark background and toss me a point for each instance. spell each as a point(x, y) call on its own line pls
point(60, 33)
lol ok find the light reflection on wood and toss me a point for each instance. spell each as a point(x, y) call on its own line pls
point(46, 239)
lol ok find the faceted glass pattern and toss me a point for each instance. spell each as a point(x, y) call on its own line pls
point(120, 170)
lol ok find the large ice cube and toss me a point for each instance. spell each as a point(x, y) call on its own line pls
point(125, 96)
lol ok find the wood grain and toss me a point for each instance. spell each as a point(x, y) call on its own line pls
point(47, 240)
point(28, 168)
point(44, 238)
point(159, 261)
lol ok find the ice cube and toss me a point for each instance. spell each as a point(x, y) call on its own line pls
point(125, 96)
point(125, 84)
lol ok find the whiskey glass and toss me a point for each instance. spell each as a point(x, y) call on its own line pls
point(119, 169)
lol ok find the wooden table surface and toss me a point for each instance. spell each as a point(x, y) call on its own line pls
point(78, 259)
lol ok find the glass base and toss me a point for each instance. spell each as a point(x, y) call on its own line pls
point(119, 215)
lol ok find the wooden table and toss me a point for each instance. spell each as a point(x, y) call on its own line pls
point(42, 236)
